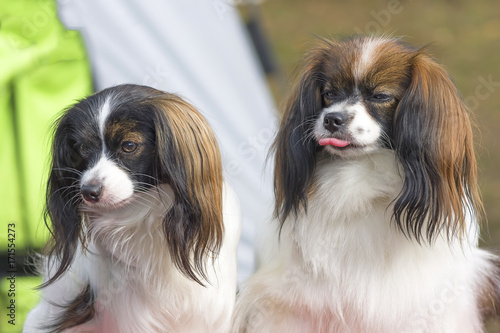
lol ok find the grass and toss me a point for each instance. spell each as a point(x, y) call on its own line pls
point(464, 37)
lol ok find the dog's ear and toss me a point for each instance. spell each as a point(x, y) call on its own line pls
point(294, 146)
point(433, 141)
point(61, 215)
point(188, 159)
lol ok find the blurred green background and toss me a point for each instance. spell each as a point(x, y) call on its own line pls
point(43, 68)
point(464, 37)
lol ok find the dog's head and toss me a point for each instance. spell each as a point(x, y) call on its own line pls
point(126, 140)
point(365, 94)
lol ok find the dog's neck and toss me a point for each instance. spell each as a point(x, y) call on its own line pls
point(356, 182)
point(349, 214)
point(132, 236)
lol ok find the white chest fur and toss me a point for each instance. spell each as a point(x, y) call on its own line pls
point(345, 267)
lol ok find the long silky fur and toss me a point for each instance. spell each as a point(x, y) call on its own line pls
point(440, 172)
point(384, 230)
point(295, 161)
point(187, 158)
point(294, 147)
point(433, 141)
point(61, 214)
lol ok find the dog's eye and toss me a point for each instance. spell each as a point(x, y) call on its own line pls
point(381, 98)
point(129, 146)
point(331, 95)
point(83, 150)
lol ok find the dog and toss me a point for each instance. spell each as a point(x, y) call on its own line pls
point(377, 206)
point(144, 229)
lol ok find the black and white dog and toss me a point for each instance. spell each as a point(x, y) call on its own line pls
point(144, 231)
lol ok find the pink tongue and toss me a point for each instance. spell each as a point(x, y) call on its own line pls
point(333, 142)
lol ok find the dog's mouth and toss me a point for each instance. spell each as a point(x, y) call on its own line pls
point(345, 147)
point(334, 142)
point(340, 144)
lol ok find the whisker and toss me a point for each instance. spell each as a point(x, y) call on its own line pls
point(62, 189)
point(309, 135)
point(144, 175)
point(72, 170)
point(386, 136)
point(309, 132)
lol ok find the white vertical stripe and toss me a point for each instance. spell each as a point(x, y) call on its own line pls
point(103, 116)
point(366, 59)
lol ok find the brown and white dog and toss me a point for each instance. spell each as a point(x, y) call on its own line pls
point(144, 228)
point(377, 204)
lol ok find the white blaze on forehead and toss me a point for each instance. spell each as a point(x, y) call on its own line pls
point(366, 56)
point(103, 115)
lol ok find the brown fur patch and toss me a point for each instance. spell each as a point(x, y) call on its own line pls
point(195, 141)
point(442, 150)
point(119, 127)
point(450, 141)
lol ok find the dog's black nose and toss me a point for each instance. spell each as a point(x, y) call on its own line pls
point(91, 193)
point(333, 121)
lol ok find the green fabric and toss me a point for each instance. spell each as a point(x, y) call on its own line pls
point(43, 69)
point(39, 95)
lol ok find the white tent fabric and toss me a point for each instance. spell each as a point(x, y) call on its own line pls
point(200, 50)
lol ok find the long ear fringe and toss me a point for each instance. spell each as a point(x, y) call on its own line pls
point(189, 160)
point(64, 224)
point(295, 148)
point(61, 215)
point(433, 141)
